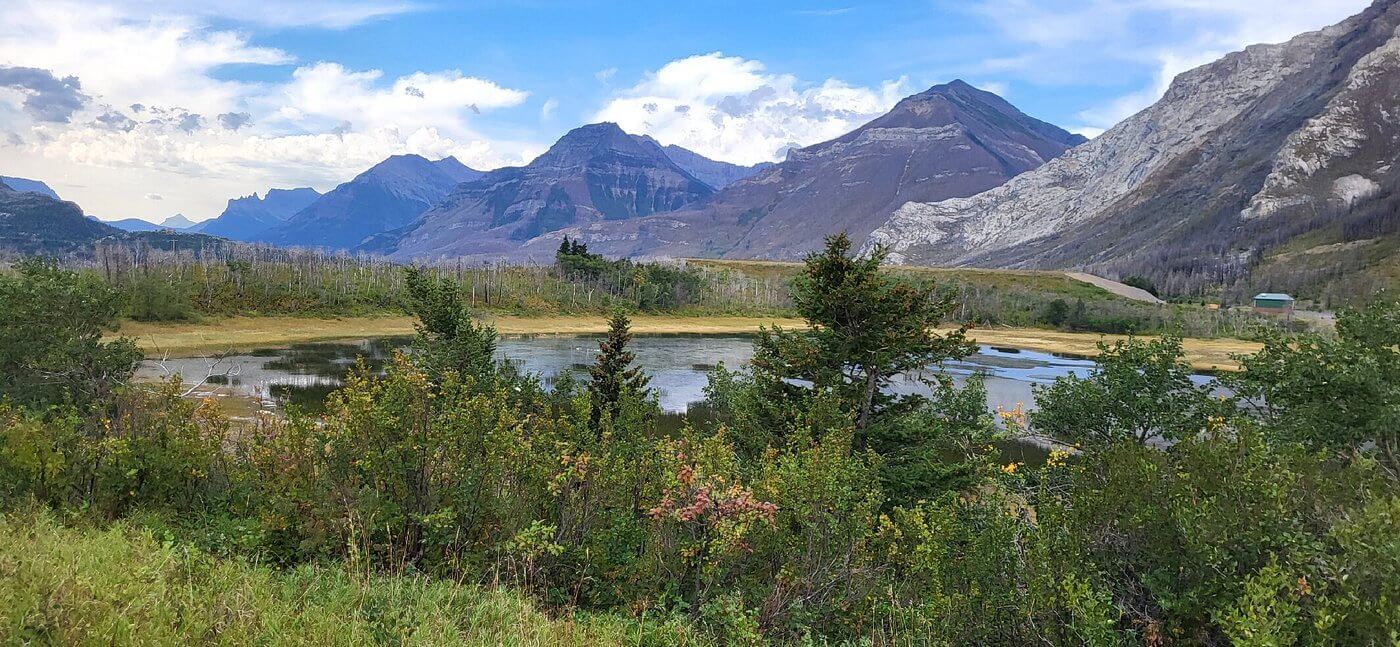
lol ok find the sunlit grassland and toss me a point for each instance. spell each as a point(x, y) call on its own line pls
point(241, 333)
point(122, 585)
point(246, 333)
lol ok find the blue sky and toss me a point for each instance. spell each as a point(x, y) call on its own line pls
point(145, 108)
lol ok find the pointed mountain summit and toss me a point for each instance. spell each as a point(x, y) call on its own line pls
point(389, 195)
point(177, 221)
point(1267, 162)
point(592, 175)
point(950, 141)
point(247, 217)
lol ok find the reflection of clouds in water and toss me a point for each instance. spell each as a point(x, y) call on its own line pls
point(678, 366)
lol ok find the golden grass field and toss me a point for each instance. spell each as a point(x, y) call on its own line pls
point(245, 333)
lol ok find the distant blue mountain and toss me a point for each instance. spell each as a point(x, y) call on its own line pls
point(177, 222)
point(247, 217)
point(32, 186)
point(388, 196)
point(133, 224)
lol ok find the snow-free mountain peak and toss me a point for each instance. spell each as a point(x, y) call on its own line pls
point(594, 174)
point(1206, 186)
point(387, 196)
point(949, 141)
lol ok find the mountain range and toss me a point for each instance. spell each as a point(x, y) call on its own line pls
point(593, 174)
point(248, 217)
point(951, 140)
point(391, 194)
point(1276, 162)
point(177, 222)
point(1272, 168)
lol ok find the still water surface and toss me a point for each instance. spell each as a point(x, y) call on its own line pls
point(677, 364)
point(302, 375)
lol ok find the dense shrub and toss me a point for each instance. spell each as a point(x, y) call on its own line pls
point(806, 510)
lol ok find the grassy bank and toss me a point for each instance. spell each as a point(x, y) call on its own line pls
point(245, 333)
point(1202, 354)
point(120, 586)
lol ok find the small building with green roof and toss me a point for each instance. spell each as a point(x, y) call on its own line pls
point(1273, 303)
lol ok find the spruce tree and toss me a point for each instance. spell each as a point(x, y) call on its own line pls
point(613, 376)
point(866, 327)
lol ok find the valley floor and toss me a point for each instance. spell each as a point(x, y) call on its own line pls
point(246, 333)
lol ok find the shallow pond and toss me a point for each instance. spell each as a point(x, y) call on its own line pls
point(302, 375)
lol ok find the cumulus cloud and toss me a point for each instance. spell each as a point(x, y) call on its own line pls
point(734, 109)
point(47, 98)
point(189, 123)
point(235, 120)
point(323, 95)
point(116, 121)
point(319, 123)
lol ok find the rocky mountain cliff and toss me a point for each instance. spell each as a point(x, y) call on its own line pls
point(34, 223)
point(951, 140)
point(1269, 147)
point(594, 174)
point(390, 195)
point(246, 217)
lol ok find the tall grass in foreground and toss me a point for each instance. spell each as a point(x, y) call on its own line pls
point(121, 585)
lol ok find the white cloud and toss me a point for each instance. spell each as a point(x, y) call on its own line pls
point(1087, 131)
point(328, 14)
point(547, 110)
point(322, 95)
point(1167, 36)
point(730, 108)
point(998, 88)
point(160, 115)
point(605, 75)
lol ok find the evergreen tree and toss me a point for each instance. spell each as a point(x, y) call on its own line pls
point(866, 328)
point(447, 339)
point(613, 376)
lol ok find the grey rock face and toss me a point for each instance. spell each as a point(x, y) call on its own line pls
point(1234, 153)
